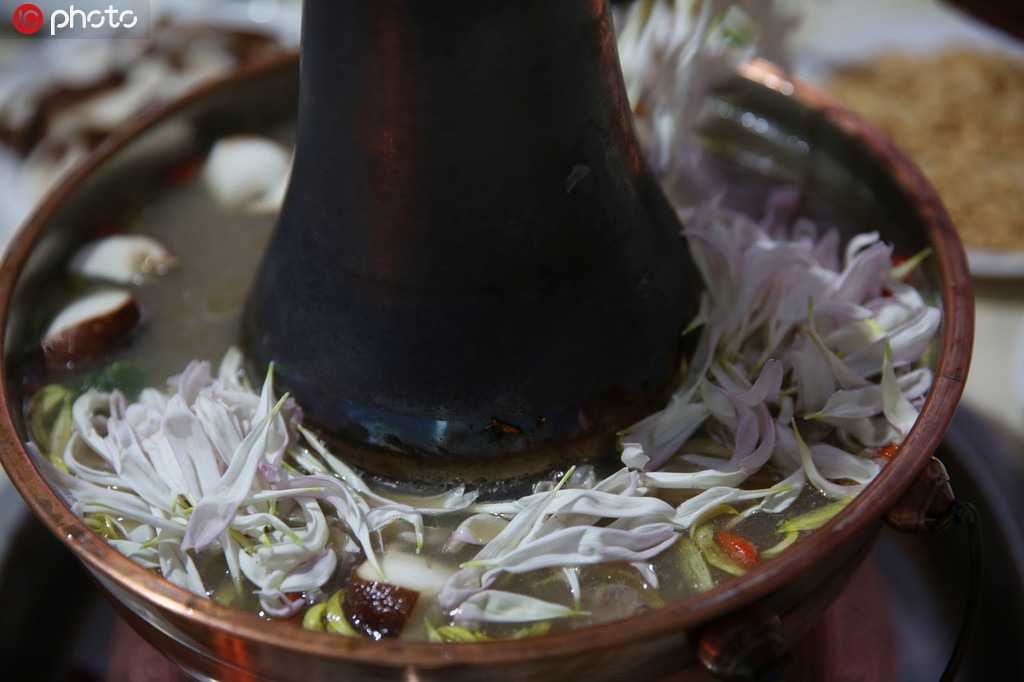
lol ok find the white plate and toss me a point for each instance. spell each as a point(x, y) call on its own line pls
point(840, 33)
point(1017, 364)
point(996, 263)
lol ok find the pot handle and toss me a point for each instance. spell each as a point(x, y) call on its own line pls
point(929, 504)
point(925, 503)
point(746, 645)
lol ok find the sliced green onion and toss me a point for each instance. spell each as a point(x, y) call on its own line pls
point(102, 525)
point(60, 434)
point(705, 539)
point(454, 633)
point(315, 617)
point(537, 629)
point(244, 541)
point(693, 565)
point(816, 518)
point(41, 407)
point(709, 515)
point(900, 272)
point(334, 617)
point(50, 422)
point(776, 550)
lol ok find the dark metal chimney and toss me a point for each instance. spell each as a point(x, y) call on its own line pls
point(474, 275)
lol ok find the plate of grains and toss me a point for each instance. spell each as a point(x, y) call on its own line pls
point(949, 91)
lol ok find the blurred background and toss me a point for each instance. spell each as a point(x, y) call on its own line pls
point(944, 81)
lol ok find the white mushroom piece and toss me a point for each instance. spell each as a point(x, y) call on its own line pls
point(123, 259)
point(411, 571)
point(248, 172)
point(381, 605)
point(90, 327)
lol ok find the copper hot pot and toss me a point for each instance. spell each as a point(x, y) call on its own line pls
point(854, 175)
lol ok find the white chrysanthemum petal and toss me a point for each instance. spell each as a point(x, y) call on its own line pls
point(177, 567)
point(215, 511)
point(695, 507)
point(495, 606)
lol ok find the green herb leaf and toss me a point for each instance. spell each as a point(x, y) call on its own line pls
point(118, 376)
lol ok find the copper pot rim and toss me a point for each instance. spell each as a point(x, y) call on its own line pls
point(864, 513)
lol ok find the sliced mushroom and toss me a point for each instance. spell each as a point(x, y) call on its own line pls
point(90, 327)
point(411, 571)
point(381, 605)
point(378, 609)
point(123, 258)
point(246, 171)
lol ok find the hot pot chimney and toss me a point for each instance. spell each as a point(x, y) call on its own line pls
point(474, 275)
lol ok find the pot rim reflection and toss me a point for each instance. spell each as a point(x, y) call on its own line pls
point(856, 524)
